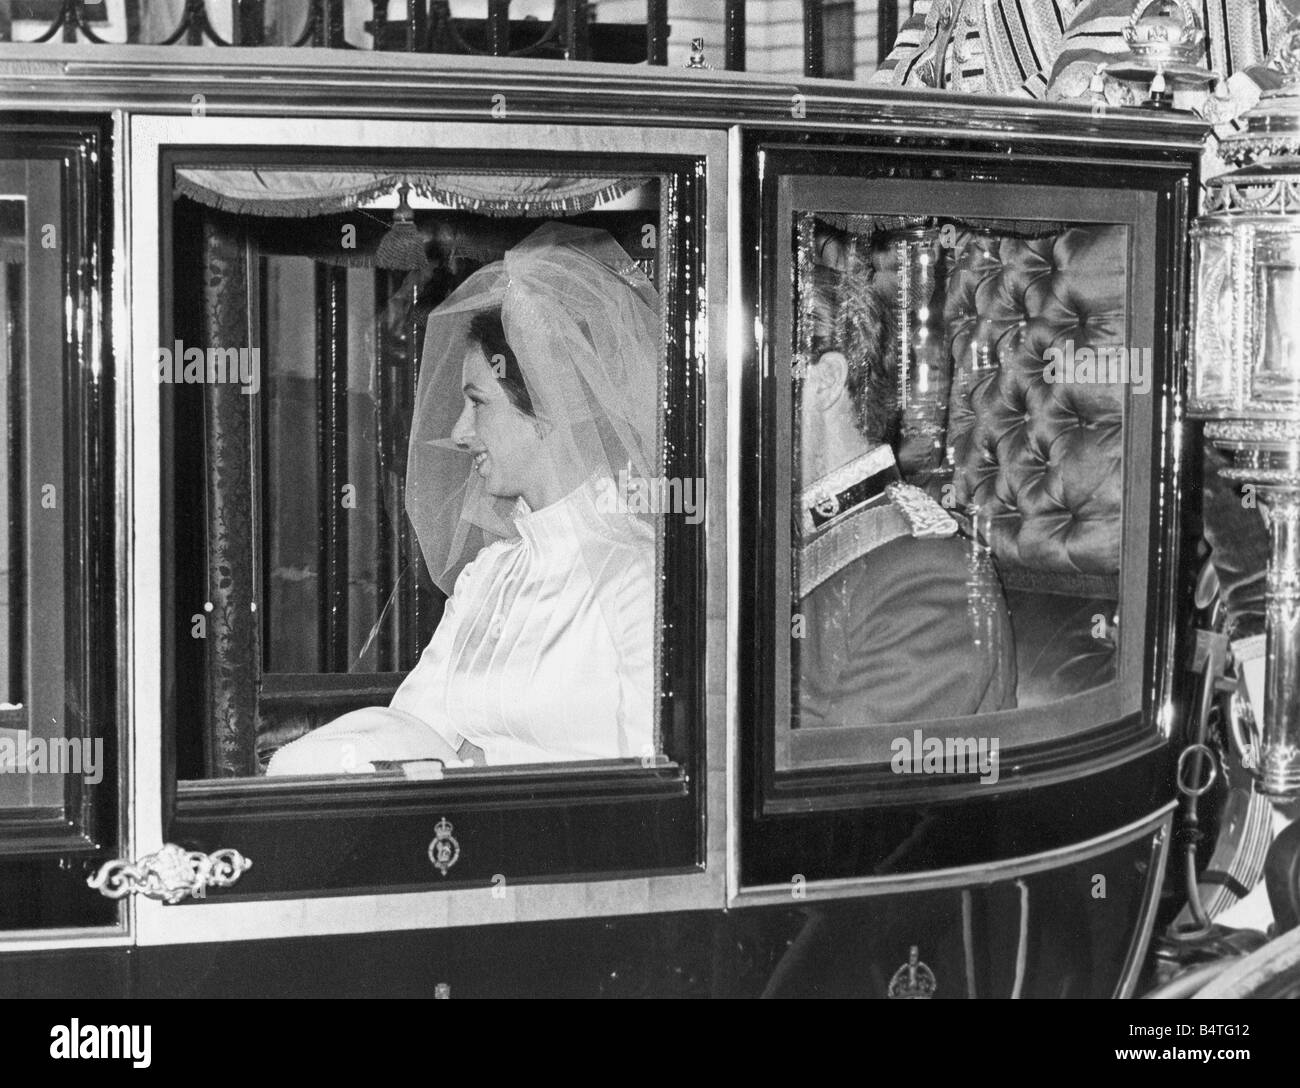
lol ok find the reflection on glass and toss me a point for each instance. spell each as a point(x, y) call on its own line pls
point(1275, 374)
point(1214, 319)
point(924, 378)
point(977, 569)
point(455, 423)
point(13, 246)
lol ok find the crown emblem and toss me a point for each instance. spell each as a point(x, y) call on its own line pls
point(1165, 30)
point(913, 980)
point(444, 850)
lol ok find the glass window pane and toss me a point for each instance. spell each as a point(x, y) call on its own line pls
point(959, 407)
point(1275, 370)
point(34, 493)
point(353, 629)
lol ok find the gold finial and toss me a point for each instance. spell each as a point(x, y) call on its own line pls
point(697, 55)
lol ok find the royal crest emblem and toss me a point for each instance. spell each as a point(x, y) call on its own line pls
point(444, 850)
point(913, 980)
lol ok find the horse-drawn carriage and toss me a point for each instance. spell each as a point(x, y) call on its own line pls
point(207, 567)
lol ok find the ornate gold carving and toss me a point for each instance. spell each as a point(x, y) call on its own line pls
point(1253, 196)
point(171, 874)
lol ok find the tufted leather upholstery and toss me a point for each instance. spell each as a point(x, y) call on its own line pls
point(1044, 458)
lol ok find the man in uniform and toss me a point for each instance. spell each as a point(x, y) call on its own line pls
point(902, 619)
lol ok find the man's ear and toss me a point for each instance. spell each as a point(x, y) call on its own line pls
point(827, 380)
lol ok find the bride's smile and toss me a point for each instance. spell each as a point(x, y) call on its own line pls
point(497, 425)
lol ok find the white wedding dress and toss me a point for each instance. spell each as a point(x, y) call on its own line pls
point(545, 653)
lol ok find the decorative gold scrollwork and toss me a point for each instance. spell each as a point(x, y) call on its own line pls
point(171, 874)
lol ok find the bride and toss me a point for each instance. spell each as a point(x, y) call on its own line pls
point(538, 384)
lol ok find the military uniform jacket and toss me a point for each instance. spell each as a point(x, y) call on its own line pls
point(901, 619)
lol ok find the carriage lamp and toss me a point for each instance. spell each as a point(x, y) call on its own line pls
point(1245, 371)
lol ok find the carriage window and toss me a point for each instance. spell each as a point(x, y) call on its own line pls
point(32, 696)
point(44, 697)
point(418, 487)
point(960, 399)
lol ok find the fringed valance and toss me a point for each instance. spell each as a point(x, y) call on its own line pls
point(301, 193)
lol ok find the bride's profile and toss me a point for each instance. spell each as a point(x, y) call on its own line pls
point(537, 384)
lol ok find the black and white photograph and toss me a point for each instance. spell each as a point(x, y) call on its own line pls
point(649, 499)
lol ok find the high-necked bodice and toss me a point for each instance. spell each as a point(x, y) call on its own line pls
point(545, 650)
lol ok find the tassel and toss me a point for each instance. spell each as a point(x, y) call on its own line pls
point(403, 246)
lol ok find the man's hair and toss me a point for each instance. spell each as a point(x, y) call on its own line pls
point(850, 316)
point(487, 331)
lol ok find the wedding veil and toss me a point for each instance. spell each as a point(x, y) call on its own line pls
point(583, 322)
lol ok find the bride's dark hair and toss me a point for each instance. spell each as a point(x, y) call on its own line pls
point(487, 331)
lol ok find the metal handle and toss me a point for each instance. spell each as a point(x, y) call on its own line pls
point(171, 874)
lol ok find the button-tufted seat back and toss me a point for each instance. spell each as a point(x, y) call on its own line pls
point(1043, 458)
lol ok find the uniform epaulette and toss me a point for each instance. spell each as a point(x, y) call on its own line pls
point(927, 519)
